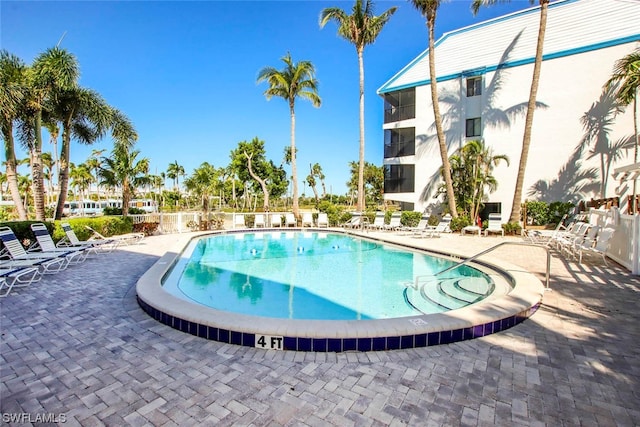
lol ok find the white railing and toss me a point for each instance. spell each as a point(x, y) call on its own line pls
point(178, 222)
point(624, 247)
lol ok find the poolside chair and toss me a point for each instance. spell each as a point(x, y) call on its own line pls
point(307, 219)
point(17, 277)
point(495, 224)
point(442, 227)
point(238, 221)
point(44, 243)
point(323, 220)
point(423, 224)
point(259, 221)
point(378, 222)
point(17, 253)
point(544, 237)
point(276, 220)
point(290, 220)
point(95, 245)
point(571, 245)
point(354, 222)
point(127, 239)
point(394, 223)
point(599, 248)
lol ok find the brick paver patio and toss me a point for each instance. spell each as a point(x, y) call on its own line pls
point(77, 347)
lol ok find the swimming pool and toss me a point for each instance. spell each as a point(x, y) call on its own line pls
point(497, 312)
point(321, 276)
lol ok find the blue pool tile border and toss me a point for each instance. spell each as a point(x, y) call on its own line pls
point(337, 345)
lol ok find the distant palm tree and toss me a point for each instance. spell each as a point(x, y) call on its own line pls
point(296, 80)
point(174, 171)
point(203, 183)
point(360, 28)
point(81, 179)
point(47, 171)
point(429, 9)
point(13, 92)
point(626, 75)
point(124, 169)
point(528, 126)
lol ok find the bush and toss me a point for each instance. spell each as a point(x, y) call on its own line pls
point(512, 228)
point(335, 214)
point(410, 218)
point(22, 230)
point(459, 223)
point(558, 209)
point(537, 213)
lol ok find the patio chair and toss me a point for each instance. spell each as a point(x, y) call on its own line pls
point(394, 223)
point(276, 220)
point(290, 220)
point(323, 220)
point(423, 224)
point(238, 221)
point(94, 245)
point(495, 224)
point(44, 243)
point(378, 222)
point(17, 277)
point(127, 239)
point(307, 219)
point(17, 253)
point(600, 247)
point(444, 226)
point(259, 221)
point(588, 238)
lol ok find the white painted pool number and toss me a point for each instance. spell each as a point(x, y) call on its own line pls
point(269, 342)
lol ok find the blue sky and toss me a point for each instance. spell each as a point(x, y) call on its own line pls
point(185, 72)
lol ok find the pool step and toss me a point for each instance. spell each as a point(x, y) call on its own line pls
point(446, 294)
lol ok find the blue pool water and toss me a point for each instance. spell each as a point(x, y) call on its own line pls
point(314, 275)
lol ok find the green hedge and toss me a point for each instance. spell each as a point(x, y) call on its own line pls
point(105, 225)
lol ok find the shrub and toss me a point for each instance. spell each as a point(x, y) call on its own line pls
point(537, 213)
point(459, 223)
point(22, 230)
point(512, 228)
point(410, 218)
point(558, 209)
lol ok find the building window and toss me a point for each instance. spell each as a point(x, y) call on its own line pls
point(474, 86)
point(400, 105)
point(399, 178)
point(473, 127)
point(399, 142)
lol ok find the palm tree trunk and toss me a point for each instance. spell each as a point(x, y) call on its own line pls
point(63, 177)
point(36, 169)
point(444, 153)
point(12, 176)
point(526, 140)
point(294, 169)
point(361, 198)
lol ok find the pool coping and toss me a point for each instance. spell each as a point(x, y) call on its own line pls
point(484, 318)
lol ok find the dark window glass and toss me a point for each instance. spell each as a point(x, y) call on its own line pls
point(473, 127)
point(399, 178)
point(474, 86)
point(399, 142)
point(400, 105)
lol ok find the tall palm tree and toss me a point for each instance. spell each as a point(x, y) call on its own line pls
point(47, 172)
point(53, 71)
point(174, 171)
point(533, 93)
point(85, 117)
point(626, 75)
point(12, 96)
point(360, 28)
point(429, 9)
point(203, 183)
point(296, 80)
point(94, 164)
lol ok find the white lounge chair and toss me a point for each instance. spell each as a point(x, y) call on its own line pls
point(290, 220)
point(423, 224)
point(276, 220)
point(599, 248)
point(50, 262)
point(394, 223)
point(127, 239)
point(323, 220)
point(442, 227)
point(95, 245)
point(44, 243)
point(378, 222)
point(258, 221)
point(495, 224)
point(17, 277)
point(307, 219)
point(238, 221)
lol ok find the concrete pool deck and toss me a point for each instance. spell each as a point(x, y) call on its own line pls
point(78, 346)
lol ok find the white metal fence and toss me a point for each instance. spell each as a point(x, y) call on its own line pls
point(624, 247)
point(178, 222)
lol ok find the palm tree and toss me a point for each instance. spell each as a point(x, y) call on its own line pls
point(429, 9)
point(125, 170)
point(174, 171)
point(53, 71)
point(47, 171)
point(81, 179)
point(626, 74)
point(528, 126)
point(12, 95)
point(94, 164)
point(360, 28)
point(295, 80)
point(203, 183)
point(85, 117)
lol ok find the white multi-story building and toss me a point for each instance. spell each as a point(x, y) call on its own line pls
point(484, 76)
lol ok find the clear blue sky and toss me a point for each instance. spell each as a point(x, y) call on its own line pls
point(185, 72)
